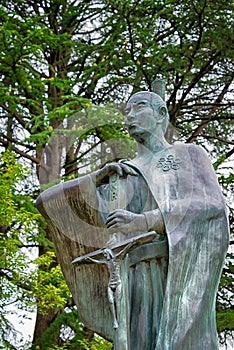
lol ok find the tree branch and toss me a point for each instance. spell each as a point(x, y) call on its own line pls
point(18, 151)
point(198, 130)
point(223, 157)
point(12, 280)
point(217, 138)
point(12, 140)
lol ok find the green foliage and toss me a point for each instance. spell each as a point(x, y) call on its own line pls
point(18, 220)
point(97, 343)
point(66, 324)
point(225, 320)
point(48, 286)
point(225, 312)
point(11, 174)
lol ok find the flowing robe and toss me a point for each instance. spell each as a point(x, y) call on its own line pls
point(146, 265)
point(172, 299)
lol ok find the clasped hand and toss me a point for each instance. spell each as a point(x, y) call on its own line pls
point(102, 175)
point(120, 219)
point(124, 221)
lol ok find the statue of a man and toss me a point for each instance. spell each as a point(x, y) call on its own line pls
point(172, 190)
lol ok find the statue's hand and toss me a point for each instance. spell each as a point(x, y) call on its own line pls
point(102, 175)
point(126, 222)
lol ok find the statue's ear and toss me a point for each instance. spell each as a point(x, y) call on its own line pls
point(162, 111)
point(162, 114)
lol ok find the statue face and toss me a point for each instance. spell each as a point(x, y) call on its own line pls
point(141, 119)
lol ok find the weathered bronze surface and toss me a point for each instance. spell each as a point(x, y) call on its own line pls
point(147, 239)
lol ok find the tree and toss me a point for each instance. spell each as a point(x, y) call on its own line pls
point(18, 223)
point(58, 57)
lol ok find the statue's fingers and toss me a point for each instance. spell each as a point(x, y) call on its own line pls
point(116, 212)
point(113, 222)
point(114, 225)
point(116, 168)
point(123, 228)
point(129, 170)
point(110, 217)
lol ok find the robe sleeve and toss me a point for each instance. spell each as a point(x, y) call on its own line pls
point(71, 212)
point(197, 230)
point(154, 221)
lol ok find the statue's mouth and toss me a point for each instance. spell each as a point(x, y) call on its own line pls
point(131, 126)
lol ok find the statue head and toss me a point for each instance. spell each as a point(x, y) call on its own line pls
point(157, 104)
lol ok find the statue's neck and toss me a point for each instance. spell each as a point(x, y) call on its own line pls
point(151, 145)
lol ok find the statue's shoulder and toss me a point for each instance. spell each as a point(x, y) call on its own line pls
point(186, 146)
point(191, 148)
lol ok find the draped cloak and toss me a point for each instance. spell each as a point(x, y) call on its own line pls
point(172, 295)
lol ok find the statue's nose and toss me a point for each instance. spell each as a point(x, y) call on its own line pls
point(130, 117)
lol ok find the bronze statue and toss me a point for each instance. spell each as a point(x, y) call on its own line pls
point(165, 210)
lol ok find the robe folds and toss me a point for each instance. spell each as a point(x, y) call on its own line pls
point(172, 282)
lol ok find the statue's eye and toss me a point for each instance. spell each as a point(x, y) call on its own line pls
point(126, 111)
point(141, 105)
point(136, 106)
